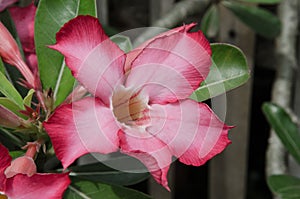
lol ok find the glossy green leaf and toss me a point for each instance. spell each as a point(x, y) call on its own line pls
point(287, 187)
point(260, 20)
point(123, 42)
point(50, 17)
point(28, 98)
point(229, 70)
point(98, 172)
point(284, 127)
point(87, 189)
point(8, 90)
point(210, 22)
point(262, 1)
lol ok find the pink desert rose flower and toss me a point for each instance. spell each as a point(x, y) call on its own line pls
point(141, 102)
point(5, 3)
point(18, 179)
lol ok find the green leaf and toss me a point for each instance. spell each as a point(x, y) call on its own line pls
point(16, 154)
point(287, 187)
point(87, 189)
point(262, 1)
point(10, 137)
point(50, 17)
point(210, 22)
point(123, 42)
point(10, 105)
point(28, 98)
point(7, 89)
point(2, 68)
point(98, 172)
point(284, 127)
point(229, 70)
point(260, 20)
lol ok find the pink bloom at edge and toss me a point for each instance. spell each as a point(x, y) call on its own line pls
point(141, 102)
point(23, 18)
point(19, 180)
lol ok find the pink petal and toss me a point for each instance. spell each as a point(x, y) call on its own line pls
point(172, 66)
point(191, 130)
point(93, 58)
point(31, 60)
point(82, 127)
point(153, 153)
point(50, 186)
point(4, 163)
point(21, 165)
point(5, 3)
point(23, 18)
point(132, 55)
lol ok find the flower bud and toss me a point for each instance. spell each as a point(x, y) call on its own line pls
point(9, 119)
point(10, 54)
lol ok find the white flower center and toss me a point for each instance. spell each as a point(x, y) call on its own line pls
point(130, 107)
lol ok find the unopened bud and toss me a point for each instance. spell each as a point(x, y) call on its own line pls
point(10, 54)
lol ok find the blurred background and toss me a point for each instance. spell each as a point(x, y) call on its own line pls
point(267, 32)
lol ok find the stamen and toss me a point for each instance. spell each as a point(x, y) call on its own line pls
point(129, 107)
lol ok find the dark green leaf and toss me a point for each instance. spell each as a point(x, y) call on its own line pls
point(260, 20)
point(7, 89)
point(86, 189)
point(262, 1)
point(98, 172)
point(284, 127)
point(210, 22)
point(10, 137)
point(51, 16)
point(287, 187)
point(229, 70)
point(123, 42)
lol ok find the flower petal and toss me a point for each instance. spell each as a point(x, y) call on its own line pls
point(5, 3)
point(191, 130)
point(82, 127)
point(172, 66)
point(22, 165)
point(23, 18)
point(50, 186)
point(93, 58)
point(4, 163)
point(153, 153)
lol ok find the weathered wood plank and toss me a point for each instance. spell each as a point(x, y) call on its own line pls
point(228, 171)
